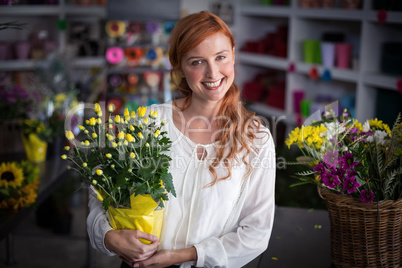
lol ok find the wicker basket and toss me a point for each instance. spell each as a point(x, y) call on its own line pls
point(364, 235)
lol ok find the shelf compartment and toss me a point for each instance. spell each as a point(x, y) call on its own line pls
point(266, 111)
point(347, 75)
point(86, 62)
point(330, 14)
point(381, 80)
point(18, 65)
point(392, 16)
point(263, 61)
point(80, 11)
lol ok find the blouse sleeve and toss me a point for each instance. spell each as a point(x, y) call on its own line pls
point(97, 224)
point(254, 226)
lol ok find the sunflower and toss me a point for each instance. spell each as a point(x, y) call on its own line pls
point(11, 175)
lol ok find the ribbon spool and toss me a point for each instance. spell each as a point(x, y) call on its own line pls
point(115, 80)
point(152, 27)
point(115, 28)
point(133, 55)
point(154, 55)
point(168, 27)
point(152, 79)
point(133, 31)
point(114, 55)
point(132, 79)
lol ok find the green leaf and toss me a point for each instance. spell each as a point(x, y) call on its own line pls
point(168, 183)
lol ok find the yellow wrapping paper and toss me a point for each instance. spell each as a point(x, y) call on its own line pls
point(35, 148)
point(144, 215)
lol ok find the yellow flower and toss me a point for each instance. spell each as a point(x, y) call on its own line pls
point(98, 109)
point(126, 114)
point(92, 121)
point(99, 121)
point(132, 114)
point(147, 145)
point(153, 114)
point(11, 175)
point(132, 128)
point(156, 134)
point(378, 125)
point(94, 135)
point(84, 164)
point(99, 172)
point(109, 156)
point(125, 142)
point(67, 148)
point(132, 155)
point(141, 111)
point(111, 108)
point(110, 137)
point(64, 157)
point(114, 145)
point(130, 137)
point(87, 143)
point(117, 119)
point(59, 98)
point(94, 182)
point(82, 128)
point(140, 135)
point(163, 122)
point(146, 120)
point(70, 135)
point(121, 135)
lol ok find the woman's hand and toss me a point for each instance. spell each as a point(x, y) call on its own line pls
point(127, 245)
point(166, 258)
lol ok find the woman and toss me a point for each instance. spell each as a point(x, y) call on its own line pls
point(223, 164)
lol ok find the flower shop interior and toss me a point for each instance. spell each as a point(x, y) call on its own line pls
point(296, 60)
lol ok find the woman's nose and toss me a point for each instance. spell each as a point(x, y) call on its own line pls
point(212, 70)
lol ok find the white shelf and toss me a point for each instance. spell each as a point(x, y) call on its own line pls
point(392, 16)
point(89, 62)
point(329, 14)
point(30, 10)
point(258, 10)
point(94, 11)
point(381, 80)
point(18, 65)
point(263, 60)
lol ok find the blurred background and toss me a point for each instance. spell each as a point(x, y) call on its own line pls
point(293, 58)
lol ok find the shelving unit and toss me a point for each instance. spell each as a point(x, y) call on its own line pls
point(254, 20)
point(47, 16)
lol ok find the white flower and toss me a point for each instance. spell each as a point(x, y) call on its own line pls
point(366, 126)
point(378, 136)
point(333, 129)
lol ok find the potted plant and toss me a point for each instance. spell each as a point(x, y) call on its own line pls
point(124, 160)
point(358, 171)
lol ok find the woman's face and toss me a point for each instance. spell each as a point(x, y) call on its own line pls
point(209, 68)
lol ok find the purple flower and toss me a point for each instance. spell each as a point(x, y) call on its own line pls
point(330, 180)
point(347, 161)
point(320, 168)
point(353, 130)
point(367, 196)
point(350, 184)
point(331, 159)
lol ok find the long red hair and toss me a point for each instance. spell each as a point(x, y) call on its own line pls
point(238, 124)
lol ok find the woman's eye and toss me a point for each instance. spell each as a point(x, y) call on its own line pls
point(221, 57)
point(196, 62)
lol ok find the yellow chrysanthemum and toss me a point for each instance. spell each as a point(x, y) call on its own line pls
point(379, 125)
point(140, 135)
point(117, 119)
point(70, 135)
point(126, 114)
point(141, 111)
point(121, 135)
point(92, 121)
point(98, 172)
point(153, 114)
point(132, 114)
point(94, 135)
point(130, 137)
point(11, 175)
point(98, 109)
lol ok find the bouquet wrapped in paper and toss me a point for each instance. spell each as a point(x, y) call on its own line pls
point(123, 158)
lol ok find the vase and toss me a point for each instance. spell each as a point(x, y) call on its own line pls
point(343, 55)
point(35, 148)
point(328, 54)
point(364, 235)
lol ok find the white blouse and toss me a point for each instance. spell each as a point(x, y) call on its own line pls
point(229, 223)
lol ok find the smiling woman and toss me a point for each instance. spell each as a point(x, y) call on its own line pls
point(223, 213)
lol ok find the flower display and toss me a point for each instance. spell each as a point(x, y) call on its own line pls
point(18, 185)
point(15, 102)
point(122, 156)
point(360, 160)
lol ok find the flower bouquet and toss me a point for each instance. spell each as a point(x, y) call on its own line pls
point(123, 160)
point(35, 137)
point(358, 170)
point(18, 185)
point(341, 154)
